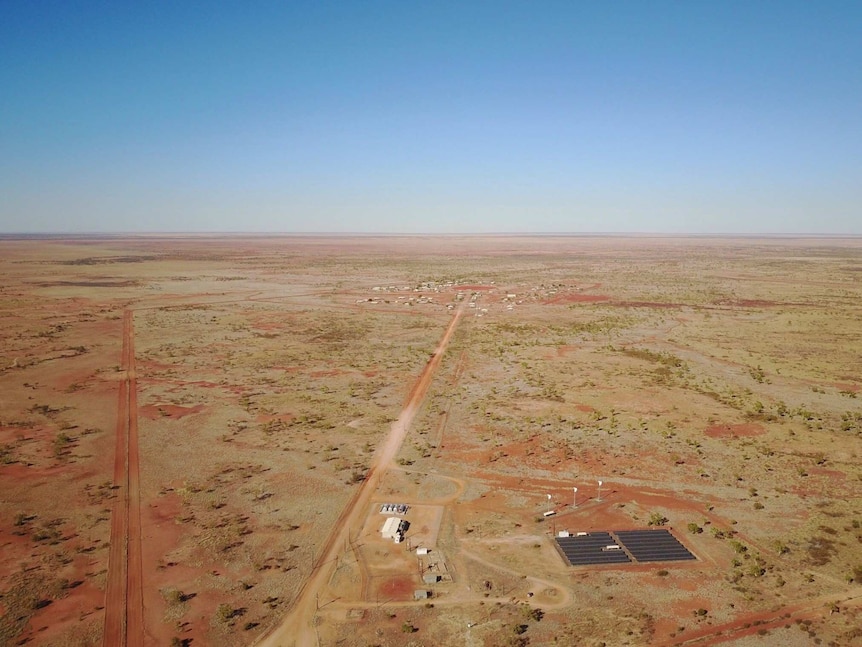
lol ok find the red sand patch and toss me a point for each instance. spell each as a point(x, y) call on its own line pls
point(564, 350)
point(584, 407)
point(332, 373)
point(827, 473)
point(753, 303)
point(850, 388)
point(163, 532)
point(154, 411)
point(578, 298)
point(288, 369)
point(205, 385)
point(22, 472)
point(269, 326)
point(396, 588)
point(746, 430)
point(63, 614)
point(647, 304)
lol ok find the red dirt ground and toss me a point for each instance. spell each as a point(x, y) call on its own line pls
point(396, 588)
point(124, 607)
point(842, 386)
point(752, 303)
point(578, 298)
point(564, 350)
point(160, 513)
point(162, 535)
point(57, 618)
point(330, 373)
point(745, 429)
point(298, 623)
point(647, 304)
point(155, 411)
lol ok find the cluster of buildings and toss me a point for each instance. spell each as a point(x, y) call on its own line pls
point(395, 528)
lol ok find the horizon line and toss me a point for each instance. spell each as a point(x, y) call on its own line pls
point(382, 234)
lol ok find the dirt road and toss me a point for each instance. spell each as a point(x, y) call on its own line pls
point(124, 609)
point(298, 627)
point(753, 623)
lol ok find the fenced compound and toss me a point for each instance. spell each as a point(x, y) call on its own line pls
point(653, 546)
point(591, 549)
point(622, 547)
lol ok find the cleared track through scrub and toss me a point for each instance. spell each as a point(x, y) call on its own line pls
point(124, 609)
point(298, 627)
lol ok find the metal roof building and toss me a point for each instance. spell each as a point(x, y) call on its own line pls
point(390, 528)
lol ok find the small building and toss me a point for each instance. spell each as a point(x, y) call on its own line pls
point(421, 594)
point(394, 528)
point(430, 578)
point(421, 551)
point(390, 528)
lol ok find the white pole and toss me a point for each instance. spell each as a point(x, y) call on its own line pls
point(550, 507)
point(574, 497)
point(599, 497)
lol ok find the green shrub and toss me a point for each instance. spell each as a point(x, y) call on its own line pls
point(657, 519)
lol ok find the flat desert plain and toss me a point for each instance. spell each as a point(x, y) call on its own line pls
point(198, 435)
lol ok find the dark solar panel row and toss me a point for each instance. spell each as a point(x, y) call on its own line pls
point(653, 546)
point(592, 549)
point(644, 545)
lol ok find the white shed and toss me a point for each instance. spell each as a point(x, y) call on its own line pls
point(390, 528)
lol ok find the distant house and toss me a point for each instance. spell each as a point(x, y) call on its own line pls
point(421, 594)
point(430, 578)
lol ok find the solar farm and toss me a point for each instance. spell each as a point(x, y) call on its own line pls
point(622, 547)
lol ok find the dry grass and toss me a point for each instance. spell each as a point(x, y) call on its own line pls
point(721, 375)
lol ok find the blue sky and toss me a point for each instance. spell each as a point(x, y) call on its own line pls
point(411, 117)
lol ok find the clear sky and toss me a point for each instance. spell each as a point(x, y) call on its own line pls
point(692, 116)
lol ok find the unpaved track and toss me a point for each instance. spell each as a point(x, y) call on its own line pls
point(297, 629)
point(124, 609)
point(115, 591)
point(752, 623)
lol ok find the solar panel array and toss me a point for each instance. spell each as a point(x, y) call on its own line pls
point(592, 549)
point(653, 546)
point(620, 547)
